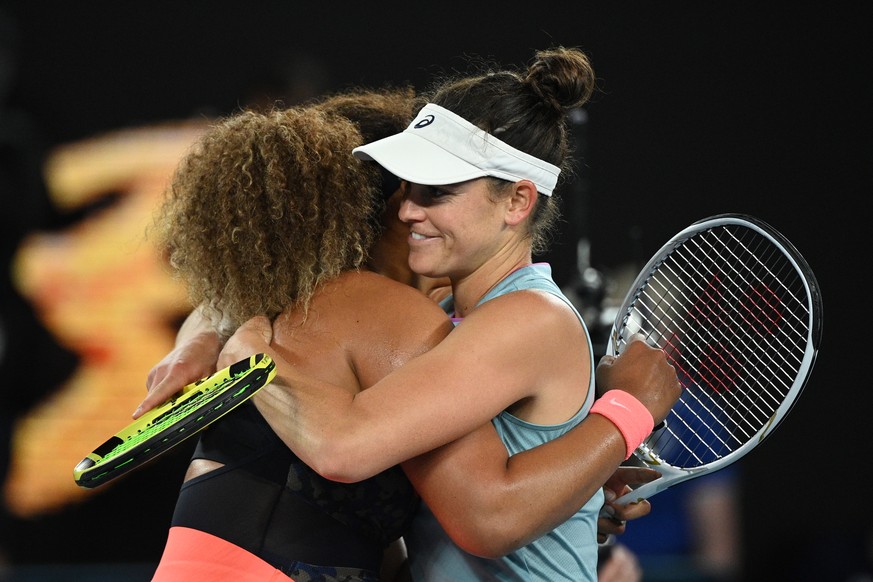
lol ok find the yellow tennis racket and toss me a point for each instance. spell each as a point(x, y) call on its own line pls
point(195, 407)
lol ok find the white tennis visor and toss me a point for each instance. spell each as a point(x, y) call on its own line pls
point(440, 148)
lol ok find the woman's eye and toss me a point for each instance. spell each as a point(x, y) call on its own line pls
point(426, 195)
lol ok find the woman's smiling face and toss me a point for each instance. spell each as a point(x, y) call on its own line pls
point(454, 229)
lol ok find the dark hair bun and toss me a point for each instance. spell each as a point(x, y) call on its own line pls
point(562, 77)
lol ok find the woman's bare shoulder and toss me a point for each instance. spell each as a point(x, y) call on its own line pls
point(387, 323)
point(374, 289)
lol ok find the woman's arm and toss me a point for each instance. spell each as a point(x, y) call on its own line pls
point(482, 367)
point(490, 510)
point(491, 504)
point(193, 358)
point(485, 365)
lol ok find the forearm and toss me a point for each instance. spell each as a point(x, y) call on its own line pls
point(197, 325)
point(194, 357)
point(490, 505)
point(309, 418)
point(349, 435)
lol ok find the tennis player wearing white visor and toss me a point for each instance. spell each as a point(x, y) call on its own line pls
point(479, 205)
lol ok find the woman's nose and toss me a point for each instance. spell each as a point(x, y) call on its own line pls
point(409, 210)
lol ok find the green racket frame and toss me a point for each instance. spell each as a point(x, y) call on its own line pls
point(194, 408)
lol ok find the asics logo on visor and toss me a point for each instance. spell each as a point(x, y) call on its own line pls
point(427, 120)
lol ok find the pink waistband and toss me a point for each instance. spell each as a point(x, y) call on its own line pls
point(195, 556)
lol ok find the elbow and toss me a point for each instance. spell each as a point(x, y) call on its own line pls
point(488, 535)
point(337, 460)
point(496, 544)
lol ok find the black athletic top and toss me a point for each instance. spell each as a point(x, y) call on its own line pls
point(267, 501)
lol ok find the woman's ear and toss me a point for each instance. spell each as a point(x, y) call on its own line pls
point(521, 202)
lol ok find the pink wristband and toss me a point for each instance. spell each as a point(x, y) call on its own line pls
point(633, 420)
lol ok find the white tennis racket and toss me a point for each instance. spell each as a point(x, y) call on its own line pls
point(738, 312)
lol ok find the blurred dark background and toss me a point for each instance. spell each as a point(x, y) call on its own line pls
point(703, 108)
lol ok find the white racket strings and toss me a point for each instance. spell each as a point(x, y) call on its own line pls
point(731, 310)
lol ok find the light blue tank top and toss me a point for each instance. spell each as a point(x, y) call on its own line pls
point(568, 552)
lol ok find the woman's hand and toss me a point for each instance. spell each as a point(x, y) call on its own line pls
point(252, 337)
point(613, 517)
point(191, 360)
point(645, 373)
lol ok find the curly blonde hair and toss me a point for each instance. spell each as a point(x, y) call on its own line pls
point(264, 208)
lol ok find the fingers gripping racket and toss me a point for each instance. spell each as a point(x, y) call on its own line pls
point(738, 312)
point(195, 407)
